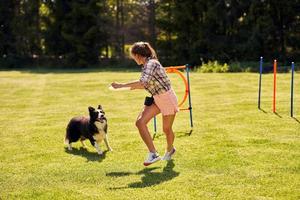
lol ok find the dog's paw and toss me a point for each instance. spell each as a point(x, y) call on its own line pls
point(100, 153)
point(110, 149)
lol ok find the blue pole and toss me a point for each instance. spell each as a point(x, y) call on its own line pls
point(292, 90)
point(259, 84)
point(190, 101)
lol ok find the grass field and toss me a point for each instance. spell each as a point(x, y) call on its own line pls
point(235, 151)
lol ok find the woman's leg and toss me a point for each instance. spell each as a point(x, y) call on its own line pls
point(167, 128)
point(141, 123)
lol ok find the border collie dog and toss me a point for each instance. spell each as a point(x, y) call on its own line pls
point(93, 128)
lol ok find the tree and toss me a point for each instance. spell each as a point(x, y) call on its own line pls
point(26, 28)
point(7, 39)
point(77, 31)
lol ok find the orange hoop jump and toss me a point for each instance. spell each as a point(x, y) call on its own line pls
point(174, 69)
point(186, 80)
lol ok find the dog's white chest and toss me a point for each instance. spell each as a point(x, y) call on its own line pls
point(100, 125)
point(101, 135)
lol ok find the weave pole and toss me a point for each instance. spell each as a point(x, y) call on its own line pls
point(259, 84)
point(274, 85)
point(292, 90)
point(190, 100)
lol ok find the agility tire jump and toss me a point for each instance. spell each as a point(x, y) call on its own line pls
point(187, 94)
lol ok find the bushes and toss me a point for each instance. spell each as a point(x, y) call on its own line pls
point(216, 67)
point(12, 61)
point(213, 67)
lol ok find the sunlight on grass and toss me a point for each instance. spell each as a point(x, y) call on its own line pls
point(235, 151)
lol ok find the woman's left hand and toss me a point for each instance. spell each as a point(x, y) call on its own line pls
point(117, 85)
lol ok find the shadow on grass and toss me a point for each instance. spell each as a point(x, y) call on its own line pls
point(149, 178)
point(178, 134)
point(90, 156)
point(262, 110)
point(183, 133)
point(277, 114)
point(296, 119)
point(280, 115)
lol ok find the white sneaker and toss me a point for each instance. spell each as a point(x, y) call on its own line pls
point(168, 155)
point(152, 158)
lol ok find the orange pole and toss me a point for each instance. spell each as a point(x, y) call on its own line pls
point(274, 85)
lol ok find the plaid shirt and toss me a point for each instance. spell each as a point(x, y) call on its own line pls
point(154, 77)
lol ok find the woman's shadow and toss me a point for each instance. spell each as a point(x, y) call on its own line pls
point(150, 178)
point(90, 156)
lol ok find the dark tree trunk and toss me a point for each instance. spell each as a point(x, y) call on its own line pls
point(152, 31)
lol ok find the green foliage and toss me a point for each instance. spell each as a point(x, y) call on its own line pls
point(246, 66)
point(249, 66)
point(9, 62)
point(80, 33)
point(77, 31)
point(235, 67)
point(7, 37)
point(230, 30)
point(213, 66)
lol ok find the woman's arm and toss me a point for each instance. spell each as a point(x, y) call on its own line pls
point(133, 85)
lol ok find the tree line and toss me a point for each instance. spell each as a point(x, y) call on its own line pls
point(82, 33)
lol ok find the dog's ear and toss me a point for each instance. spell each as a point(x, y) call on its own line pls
point(99, 107)
point(91, 109)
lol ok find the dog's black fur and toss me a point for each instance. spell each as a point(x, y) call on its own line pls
point(93, 128)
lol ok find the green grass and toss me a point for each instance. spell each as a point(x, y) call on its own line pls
point(235, 151)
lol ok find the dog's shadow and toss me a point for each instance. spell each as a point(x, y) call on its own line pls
point(149, 178)
point(90, 156)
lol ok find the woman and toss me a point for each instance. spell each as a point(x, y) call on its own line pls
point(155, 80)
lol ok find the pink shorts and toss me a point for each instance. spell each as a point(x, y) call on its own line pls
point(167, 102)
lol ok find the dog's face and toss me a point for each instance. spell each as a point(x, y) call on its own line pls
point(97, 114)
